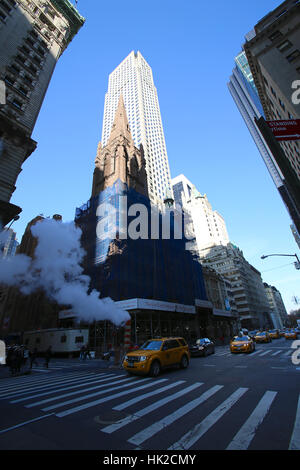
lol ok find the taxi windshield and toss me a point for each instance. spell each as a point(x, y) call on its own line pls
point(152, 345)
point(241, 338)
point(260, 334)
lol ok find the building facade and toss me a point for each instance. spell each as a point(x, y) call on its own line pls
point(244, 92)
point(134, 80)
point(273, 53)
point(8, 243)
point(246, 284)
point(33, 36)
point(278, 311)
point(208, 225)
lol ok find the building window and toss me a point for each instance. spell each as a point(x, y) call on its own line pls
point(293, 56)
point(284, 46)
point(275, 35)
point(17, 104)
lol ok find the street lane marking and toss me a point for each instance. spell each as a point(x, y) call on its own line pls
point(295, 439)
point(103, 400)
point(70, 387)
point(243, 438)
point(148, 432)
point(135, 400)
point(65, 395)
point(25, 422)
point(154, 406)
point(197, 432)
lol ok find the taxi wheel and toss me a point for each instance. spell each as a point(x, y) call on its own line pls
point(155, 369)
point(184, 362)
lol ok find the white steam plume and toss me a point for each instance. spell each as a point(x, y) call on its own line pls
point(56, 269)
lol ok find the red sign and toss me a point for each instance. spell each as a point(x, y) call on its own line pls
point(285, 130)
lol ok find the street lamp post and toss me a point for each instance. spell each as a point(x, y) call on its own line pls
point(297, 263)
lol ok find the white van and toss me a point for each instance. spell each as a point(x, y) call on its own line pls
point(62, 340)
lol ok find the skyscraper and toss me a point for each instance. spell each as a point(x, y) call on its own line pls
point(244, 92)
point(33, 35)
point(134, 80)
point(273, 54)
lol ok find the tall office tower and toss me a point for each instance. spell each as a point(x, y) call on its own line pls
point(273, 53)
point(133, 79)
point(33, 35)
point(209, 226)
point(245, 95)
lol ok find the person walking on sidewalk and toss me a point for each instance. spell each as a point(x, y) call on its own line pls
point(48, 357)
point(33, 357)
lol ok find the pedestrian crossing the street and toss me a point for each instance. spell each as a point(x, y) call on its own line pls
point(148, 408)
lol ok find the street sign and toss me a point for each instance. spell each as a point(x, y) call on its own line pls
point(285, 130)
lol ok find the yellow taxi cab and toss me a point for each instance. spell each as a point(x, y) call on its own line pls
point(262, 337)
point(242, 343)
point(274, 334)
point(290, 334)
point(157, 354)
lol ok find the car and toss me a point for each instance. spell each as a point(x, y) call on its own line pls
point(281, 333)
point(262, 337)
point(274, 334)
point(252, 333)
point(242, 343)
point(291, 334)
point(202, 347)
point(157, 354)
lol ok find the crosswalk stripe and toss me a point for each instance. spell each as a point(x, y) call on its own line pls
point(154, 406)
point(265, 353)
point(37, 380)
point(48, 385)
point(254, 353)
point(276, 353)
point(295, 439)
point(103, 400)
point(70, 387)
point(197, 432)
point(135, 400)
point(243, 438)
point(70, 394)
point(148, 432)
point(287, 353)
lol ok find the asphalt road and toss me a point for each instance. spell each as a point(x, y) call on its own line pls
point(223, 401)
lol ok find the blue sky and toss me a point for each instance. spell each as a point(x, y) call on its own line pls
point(191, 47)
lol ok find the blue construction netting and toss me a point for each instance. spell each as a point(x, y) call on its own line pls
point(161, 269)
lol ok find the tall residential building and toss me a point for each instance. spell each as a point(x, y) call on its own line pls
point(273, 53)
point(278, 311)
point(209, 226)
point(244, 287)
point(33, 35)
point(244, 92)
point(134, 80)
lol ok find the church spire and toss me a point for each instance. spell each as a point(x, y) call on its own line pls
point(120, 126)
point(120, 159)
